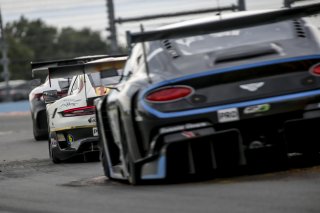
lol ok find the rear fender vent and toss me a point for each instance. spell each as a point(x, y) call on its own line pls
point(299, 29)
point(171, 49)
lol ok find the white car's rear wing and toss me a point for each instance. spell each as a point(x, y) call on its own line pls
point(41, 68)
point(100, 65)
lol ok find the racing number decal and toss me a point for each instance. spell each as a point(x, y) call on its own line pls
point(227, 115)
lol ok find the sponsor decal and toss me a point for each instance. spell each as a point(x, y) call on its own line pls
point(252, 87)
point(69, 103)
point(54, 144)
point(71, 100)
point(70, 138)
point(169, 129)
point(227, 115)
point(92, 120)
point(257, 109)
point(188, 134)
point(95, 131)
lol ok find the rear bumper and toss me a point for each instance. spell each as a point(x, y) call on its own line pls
point(205, 153)
point(302, 135)
point(257, 139)
point(84, 146)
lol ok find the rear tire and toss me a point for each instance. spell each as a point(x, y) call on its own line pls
point(37, 136)
point(105, 166)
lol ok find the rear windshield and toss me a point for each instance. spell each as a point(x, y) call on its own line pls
point(64, 83)
point(235, 38)
point(96, 80)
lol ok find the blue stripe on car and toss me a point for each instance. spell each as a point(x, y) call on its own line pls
point(161, 170)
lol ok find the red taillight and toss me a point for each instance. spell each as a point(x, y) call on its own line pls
point(87, 110)
point(169, 94)
point(315, 70)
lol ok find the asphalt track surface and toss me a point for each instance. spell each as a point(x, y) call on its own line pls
point(29, 182)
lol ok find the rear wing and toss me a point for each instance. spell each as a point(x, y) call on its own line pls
point(225, 24)
point(100, 65)
point(40, 72)
point(41, 68)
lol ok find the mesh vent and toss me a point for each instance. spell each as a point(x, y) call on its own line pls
point(171, 49)
point(299, 29)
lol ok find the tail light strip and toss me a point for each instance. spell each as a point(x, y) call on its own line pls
point(168, 94)
point(79, 111)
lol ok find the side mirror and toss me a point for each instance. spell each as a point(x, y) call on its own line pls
point(35, 82)
point(50, 96)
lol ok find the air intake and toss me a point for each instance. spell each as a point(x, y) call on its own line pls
point(171, 50)
point(245, 52)
point(299, 29)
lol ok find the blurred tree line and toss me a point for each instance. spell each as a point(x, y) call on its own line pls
point(35, 41)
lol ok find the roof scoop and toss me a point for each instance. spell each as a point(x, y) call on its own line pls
point(247, 52)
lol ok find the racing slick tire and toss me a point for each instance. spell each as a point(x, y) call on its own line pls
point(37, 136)
point(105, 166)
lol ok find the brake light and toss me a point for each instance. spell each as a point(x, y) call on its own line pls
point(79, 111)
point(169, 94)
point(315, 70)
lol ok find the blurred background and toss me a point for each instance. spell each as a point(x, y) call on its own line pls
point(38, 30)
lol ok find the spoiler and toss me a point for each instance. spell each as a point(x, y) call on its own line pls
point(99, 65)
point(41, 68)
point(39, 72)
point(225, 24)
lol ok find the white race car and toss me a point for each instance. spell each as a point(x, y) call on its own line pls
point(40, 74)
point(71, 120)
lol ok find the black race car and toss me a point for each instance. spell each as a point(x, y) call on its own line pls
point(214, 94)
